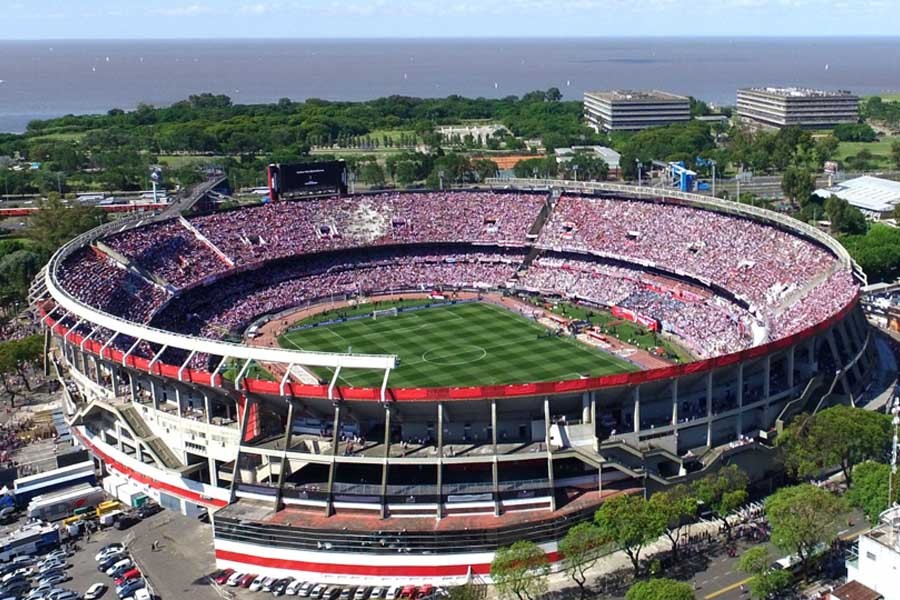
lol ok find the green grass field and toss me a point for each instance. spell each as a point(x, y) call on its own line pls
point(459, 345)
point(881, 149)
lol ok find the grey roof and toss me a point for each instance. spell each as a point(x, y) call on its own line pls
point(868, 193)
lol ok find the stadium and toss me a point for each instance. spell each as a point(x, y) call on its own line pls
point(343, 381)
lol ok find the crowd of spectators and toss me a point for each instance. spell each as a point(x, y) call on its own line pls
point(101, 282)
point(290, 228)
point(170, 250)
point(242, 298)
point(708, 326)
point(822, 301)
point(758, 263)
point(769, 269)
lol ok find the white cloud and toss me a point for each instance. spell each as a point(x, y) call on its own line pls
point(187, 10)
point(259, 8)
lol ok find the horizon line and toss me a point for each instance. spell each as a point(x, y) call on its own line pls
point(860, 36)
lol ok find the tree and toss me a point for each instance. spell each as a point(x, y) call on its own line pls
point(797, 184)
point(723, 492)
point(15, 358)
point(484, 168)
point(804, 518)
point(631, 522)
point(520, 571)
point(837, 436)
point(870, 489)
point(895, 154)
point(586, 167)
point(765, 581)
point(677, 506)
point(54, 223)
point(468, 591)
point(660, 589)
point(372, 173)
point(581, 548)
point(843, 217)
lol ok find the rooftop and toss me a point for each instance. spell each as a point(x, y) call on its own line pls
point(635, 96)
point(799, 92)
point(868, 193)
point(854, 590)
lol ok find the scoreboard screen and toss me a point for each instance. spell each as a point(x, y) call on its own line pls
point(287, 181)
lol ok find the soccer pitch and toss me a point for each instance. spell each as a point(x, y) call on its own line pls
point(457, 345)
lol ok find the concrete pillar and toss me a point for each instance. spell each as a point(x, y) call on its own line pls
point(131, 387)
point(335, 440)
point(674, 388)
point(213, 473)
point(586, 407)
point(495, 476)
point(178, 402)
point(790, 367)
point(549, 453)
point(288, 433)
point(440, 461)
point(637, 408)
point(207, 405)
point(118, 430)
point(387, 456)
point(739, 422)
point(709, 409)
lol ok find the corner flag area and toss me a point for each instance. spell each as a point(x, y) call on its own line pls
point(457, 345)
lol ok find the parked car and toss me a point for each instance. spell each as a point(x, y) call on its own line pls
point(64, 595)
point(95, 591)
point(125, 562)
point(331, 593)
point(222, 576)
point(131, 573)
point(268, 582)
point(235, 578)
point(347, 593)
point(130, 588)
point(279, 588)
point(110, 561)
point(55, 578)
point(148, 509)
point(318, 591)
point(247, 580)
point(362, 593)
point(108, 549)
point(377, 593)
point(425, 591)
point(257, 583)
point(392, 592)
point(305, 589)
point(407, 593)
point(294, 587)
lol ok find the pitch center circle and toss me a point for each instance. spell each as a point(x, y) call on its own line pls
point(449, 356)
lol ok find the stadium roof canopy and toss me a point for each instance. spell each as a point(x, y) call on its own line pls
point(872, 195)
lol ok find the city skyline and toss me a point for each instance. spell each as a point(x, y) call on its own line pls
point(183, 19)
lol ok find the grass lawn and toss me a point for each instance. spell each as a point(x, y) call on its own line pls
point(880, 149)
point(458, 345)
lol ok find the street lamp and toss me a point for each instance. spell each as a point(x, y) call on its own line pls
point(639, 165)
point(575, 170)
point(713, 163)
point(895, 421)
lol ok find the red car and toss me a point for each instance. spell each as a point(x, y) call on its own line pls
point(129, 574)
point(222, 576)
point(246, 580)
point(425, 591)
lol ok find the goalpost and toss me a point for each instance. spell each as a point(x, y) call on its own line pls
point(387, 312)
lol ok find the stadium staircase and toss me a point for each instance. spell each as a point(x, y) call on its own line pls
point(138, 429)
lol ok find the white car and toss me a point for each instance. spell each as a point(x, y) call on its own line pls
point(377, 593)
point(235, 579)
point(95, 591)
point(125, 562)
point(257, 583)
point(108, 551)
point(268, 582)
point(295, 586)
point(304, 590)
point(141, 594)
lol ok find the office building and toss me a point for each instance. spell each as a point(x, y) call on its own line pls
point(621, 110)
point(774, 107)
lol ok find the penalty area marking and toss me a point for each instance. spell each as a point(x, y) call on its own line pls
point(449, 356)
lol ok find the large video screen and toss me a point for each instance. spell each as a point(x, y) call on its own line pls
point(307, 179)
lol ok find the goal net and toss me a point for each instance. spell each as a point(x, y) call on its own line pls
point(387, 312)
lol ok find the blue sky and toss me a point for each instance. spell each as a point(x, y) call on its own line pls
point(43, 19)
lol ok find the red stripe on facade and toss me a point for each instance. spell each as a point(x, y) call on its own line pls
point(183, 493)
point(359, 569)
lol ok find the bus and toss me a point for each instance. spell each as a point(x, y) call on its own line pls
point(52, 507)
point(29, 540)
point(26, 488)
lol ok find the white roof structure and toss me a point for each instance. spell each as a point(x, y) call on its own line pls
point(609, 156)
point(869, 194)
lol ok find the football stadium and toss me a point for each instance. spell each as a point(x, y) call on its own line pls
point(342, 380)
